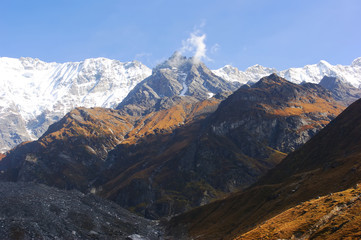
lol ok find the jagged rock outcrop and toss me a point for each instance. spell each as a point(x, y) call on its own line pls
point(32, 211)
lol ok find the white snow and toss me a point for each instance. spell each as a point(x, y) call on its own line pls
point(309, 73)
point(210, 95)
point(182, 78)
point(136, 237)
point(32, 87)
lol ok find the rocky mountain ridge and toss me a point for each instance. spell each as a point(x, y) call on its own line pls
point(36, 94)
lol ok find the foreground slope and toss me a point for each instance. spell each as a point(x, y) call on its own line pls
point(32, 211)
point(334, 216)
point(328, 163)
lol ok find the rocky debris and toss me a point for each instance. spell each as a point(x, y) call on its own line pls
point(32, 211)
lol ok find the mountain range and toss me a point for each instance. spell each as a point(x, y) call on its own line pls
point(190, 151)
point(35, 94)
point(218, 158)
point(310, 73)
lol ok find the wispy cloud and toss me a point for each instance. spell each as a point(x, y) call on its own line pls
point(215, 48)
point(195, 44)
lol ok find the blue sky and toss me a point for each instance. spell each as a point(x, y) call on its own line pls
point(273, 33)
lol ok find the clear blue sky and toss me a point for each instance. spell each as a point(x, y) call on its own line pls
point(273, 33)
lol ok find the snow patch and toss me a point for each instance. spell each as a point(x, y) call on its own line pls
point(182, 79)
point(136, 237)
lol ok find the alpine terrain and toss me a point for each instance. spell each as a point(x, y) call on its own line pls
point(35, 94)
point(176, 141)
point(166, 160)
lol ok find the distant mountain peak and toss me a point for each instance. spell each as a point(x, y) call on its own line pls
point(312, 73)
point(356, 62)
point(272, 79)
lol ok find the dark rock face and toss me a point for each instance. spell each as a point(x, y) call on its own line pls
point(178, 76)
point(342, 91)
point(31, 211)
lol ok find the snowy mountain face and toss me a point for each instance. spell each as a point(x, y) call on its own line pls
point(35, 94)
point(309, 73)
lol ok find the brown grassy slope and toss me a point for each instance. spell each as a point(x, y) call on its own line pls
point(327, 163)
point(71, 152)
point(335, 216)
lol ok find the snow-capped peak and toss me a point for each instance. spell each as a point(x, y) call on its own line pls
point(32, 88)
point(309, 73)
point(356, 62)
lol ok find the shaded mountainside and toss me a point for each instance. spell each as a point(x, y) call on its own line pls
point(328, 163)
point(32, 211)
point(178, 76)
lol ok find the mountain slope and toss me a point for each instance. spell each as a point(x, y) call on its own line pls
point(309, 73)
point(334, 216)
point(171, 160)
point(35, 94)
point(328, 163)
point(228, 150)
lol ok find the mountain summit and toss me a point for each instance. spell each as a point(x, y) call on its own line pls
point(176, 77)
